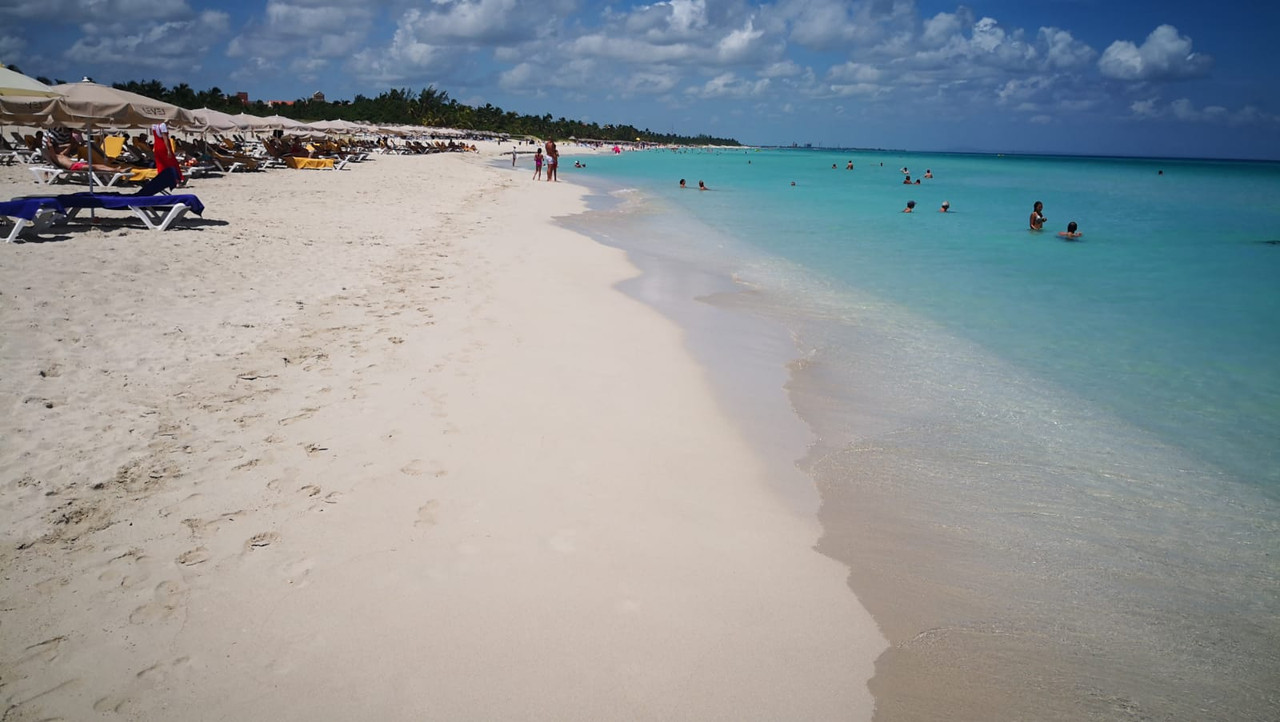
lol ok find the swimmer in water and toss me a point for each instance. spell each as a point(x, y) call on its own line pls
point(1071, 233)
point(911, 207)
point(702, 186)
point(946, 206)
point(682, 185)
point(1037, 217)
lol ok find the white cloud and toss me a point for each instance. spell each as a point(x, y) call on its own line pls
point(1183, 109)
point(781, 69)
point(472, 21)
point(1063, 51)
point(650, 83)
point(519, 77)
point(667, 22)
point(819, 24)
point(293, 29)
point(628, 50)
point(94, 11)
point(729, 85)
point(155, 45)
point(406, 57)
point(941, 28)
point(738, 44)
point(1144, 108)
point(1022, 90)
point(854, 73)
point(1164, 55)
point(11, 49)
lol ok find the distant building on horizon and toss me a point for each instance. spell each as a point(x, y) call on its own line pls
point(243, 97)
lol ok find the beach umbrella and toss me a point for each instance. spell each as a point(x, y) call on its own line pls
point(24, 101)
point(282, 123)
point(255, 123)
point(13, 83)
point(216, 120)
point(30, 110)
point(89, 105)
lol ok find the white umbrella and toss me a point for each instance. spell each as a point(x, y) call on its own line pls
point(13, 83)
point(216, 120)
point(254, 123)
point(283, 123)
point(24, 101)
point(89, 105)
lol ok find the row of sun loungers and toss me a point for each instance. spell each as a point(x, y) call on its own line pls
point(152, 204)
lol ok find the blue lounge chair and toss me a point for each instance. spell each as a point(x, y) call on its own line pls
point(36, 213)
point(152, 204)
point(157, 212)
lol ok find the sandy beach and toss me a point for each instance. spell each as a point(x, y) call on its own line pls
point(387, 443)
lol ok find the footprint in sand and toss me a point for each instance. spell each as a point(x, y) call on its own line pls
point(260, 540)
point(310, 490)
point(192, 557)
point(201, 527)
point(45, 652)
point(427, 513)
point(114, 705)
point(170, 598)
point(168, 510)
point(125, 570)
point(418, 467)
point(306, 414)
point(297, 572)
point(161, 672)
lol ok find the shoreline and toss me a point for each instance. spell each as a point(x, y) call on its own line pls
point(1026, 552)
point(423, 459)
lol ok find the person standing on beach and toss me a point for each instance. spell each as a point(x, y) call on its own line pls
point(1037, 217)
point(553, 159)
point(513, 156)
point(537, 164)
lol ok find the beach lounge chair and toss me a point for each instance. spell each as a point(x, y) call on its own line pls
point(24, 213)
point(48, 175)
point(156, 212)
point(151, 204)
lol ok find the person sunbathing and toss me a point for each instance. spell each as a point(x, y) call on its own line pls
point(62, 148)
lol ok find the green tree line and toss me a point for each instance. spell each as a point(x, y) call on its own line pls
point(429, 106)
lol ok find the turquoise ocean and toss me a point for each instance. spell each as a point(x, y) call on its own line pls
point(1052, 467)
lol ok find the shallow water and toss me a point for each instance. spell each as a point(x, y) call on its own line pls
point(1050, 466)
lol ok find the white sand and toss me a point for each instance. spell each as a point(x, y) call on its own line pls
point(386, 444)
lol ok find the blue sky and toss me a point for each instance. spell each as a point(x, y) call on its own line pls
point(1127, 77)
